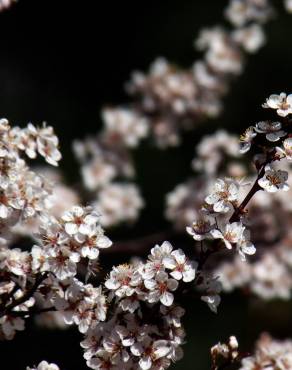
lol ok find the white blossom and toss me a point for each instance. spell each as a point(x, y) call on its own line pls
point(246, 139)
point(79, 220)
point(125, 125)
point(119, 203)
point(251, 38)
point(273, 130)
point(200, 228)
point(274, 180)
point(149, 351)
point(179, 265)
point(282, 103)
point(287, 149)
point(270, 279)
point(223, 194)
point(241, 12)
point(161, 288)
point(232, 234)
point(123, 280)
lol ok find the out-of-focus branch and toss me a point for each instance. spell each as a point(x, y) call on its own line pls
point(140, 246)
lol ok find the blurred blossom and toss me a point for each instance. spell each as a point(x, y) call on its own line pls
point(251, 38)
point(288, 5)
point(124, 125)
point(5, 4)
point(119, 203)
point(271, 279)
point(269, 354)
point(223, 55)
point(184, 202)
point(241, 12)
point(44, 365)
point(102, 161)
point(212, 151)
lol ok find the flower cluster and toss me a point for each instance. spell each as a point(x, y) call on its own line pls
point(183, 203)
point(106, 159)
point(213, 150)
point(169, 99)
point(242, 12)
point(144, 330)
point(224, 354)
point(217, 155)
point(102, 162)
point(44, 365)
point(269, 354)
point(124, 126)
point(119, 203)
point(65, 241)
point(215, 220)
point(23, 194)
point(223, 215)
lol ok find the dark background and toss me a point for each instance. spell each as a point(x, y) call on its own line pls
point(61, 61)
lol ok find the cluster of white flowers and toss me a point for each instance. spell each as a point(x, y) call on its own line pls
point(169, 99)
point(242, 12)
point(23, 194)
point(102, 162)
point(213, 150)
point(224, 353)
point(269, 354)
point(79, 304)
point(67, 244)
point(189, 95)
point(222, 200)
point(108, 158)
point(64, 242)
point(24, 198)
point(281, 103)
point(144, 330)
point(270, 276)
point(118, 203)
point(44, 365)
point(124, 125)
point(183, 203)
point(218, 154)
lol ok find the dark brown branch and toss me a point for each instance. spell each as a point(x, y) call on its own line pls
point(204, 255)
point(254, 189)
point(26, 296)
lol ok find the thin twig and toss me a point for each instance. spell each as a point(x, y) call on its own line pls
point(26, 296)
